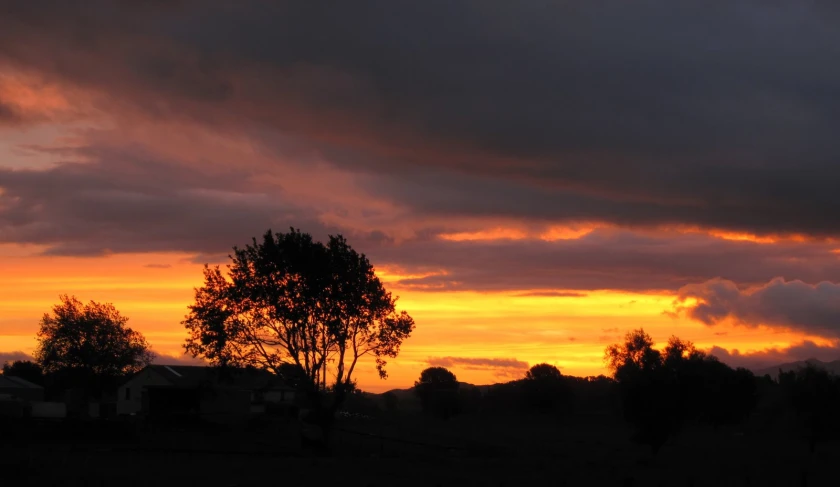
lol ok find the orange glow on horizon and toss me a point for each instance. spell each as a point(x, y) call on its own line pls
point(568, 330)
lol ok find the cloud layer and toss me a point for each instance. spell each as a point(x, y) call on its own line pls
point(13, 356)
point(773, 356)
point(501, 367)
point(599, 111)
point(813, 309)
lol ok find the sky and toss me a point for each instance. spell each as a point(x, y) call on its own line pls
point(532, 179)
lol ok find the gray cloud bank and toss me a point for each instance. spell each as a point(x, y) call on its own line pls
point(792, 305)
point(643, 113)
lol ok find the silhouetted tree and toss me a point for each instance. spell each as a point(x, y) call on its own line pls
point(660, 391)
point(89, 345)
point(543, 372)
point(290, 300)
point(292, 374)
point(545, 388)
point(709, 390)
point(815, 396)
point(437, 389)
point(647, 401)
point(633, 356)
point(26, 370)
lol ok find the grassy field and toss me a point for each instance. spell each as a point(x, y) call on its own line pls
point(411, 450)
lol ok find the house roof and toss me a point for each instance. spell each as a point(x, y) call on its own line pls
point(195, 376)
point(13, 382)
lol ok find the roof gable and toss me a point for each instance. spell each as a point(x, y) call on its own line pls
point(11, 381)
point(196, 376)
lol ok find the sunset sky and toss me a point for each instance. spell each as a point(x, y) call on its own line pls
point(532, 179)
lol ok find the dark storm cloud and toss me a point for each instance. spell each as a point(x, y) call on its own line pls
point(638, 113)
point(128, 199)
point(788, 304)
point(131, 201)
point(604, 259)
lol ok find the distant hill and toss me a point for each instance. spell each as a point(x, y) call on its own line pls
point(408, 401)
point(401, 393)
point(832, 367)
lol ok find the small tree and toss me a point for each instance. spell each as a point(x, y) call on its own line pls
point(26, 370)
point(545, 372)
point(545, 388)
point(437, 389)
point(646, 389)
point(287, 299)
point(89, 345)
point(633, 356)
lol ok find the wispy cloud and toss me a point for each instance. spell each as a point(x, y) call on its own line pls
point(478, 362)
point(552, 294)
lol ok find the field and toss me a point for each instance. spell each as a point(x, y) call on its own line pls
point(412, 450)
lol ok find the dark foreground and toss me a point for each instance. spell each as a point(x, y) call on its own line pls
point(415, 451)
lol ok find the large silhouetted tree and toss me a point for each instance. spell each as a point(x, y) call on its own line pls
point(646, 391)
point(287, 299)
point(89, 345)
point(662, 390)
point(437, 389)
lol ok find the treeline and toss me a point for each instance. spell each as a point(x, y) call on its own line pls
point(658, 392)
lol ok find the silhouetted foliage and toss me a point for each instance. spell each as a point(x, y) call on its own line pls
point(292, 374)
point(545, 388)
point(290, 300)
point(437, 389)
point(26, 370)
point(660, 391)
point(546, 372)
point(814, 394)
point(634, 356)
point(391, 402)
point(88, 346)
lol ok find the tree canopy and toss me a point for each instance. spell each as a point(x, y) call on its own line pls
point(437, 389)
point(287, 299)
point(662, 390)
point(90, 337)
point(543, 372)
